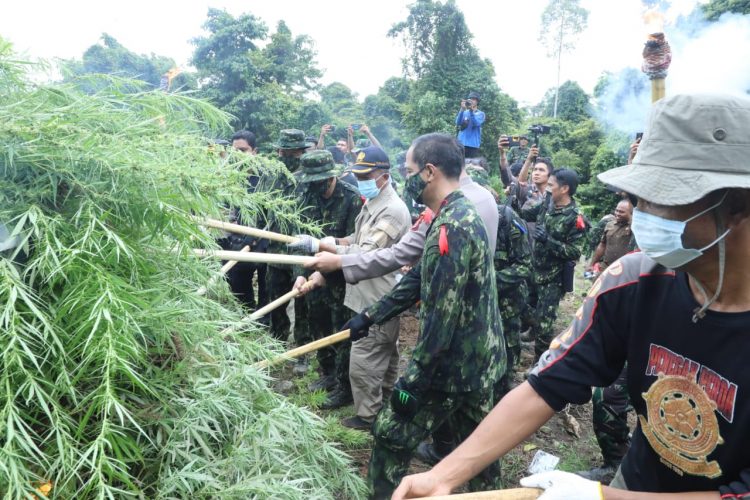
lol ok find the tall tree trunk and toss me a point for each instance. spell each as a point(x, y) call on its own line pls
point(559, 57)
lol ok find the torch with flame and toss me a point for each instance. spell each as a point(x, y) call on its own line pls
point(656, 54)
point(166, 79)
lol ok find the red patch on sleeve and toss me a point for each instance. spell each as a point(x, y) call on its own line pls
point(443, 240)
point(362, 198)
point(580, 223)
point(424, 218)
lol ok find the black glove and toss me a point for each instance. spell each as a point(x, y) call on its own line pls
point(404, 400)
point(540, 234)
point(359, 326)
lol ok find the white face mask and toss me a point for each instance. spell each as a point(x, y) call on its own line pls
point(661, 239)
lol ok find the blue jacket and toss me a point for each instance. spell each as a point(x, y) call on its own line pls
point(472, 135)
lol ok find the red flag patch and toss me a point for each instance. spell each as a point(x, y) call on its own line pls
point(443, 240)
point(425, 217)
point(580, 223)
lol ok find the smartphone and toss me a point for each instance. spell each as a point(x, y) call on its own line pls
point(356, 126)
point(638, 136)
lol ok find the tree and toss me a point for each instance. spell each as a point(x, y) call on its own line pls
point(572, 102)
point(446, 66)
point(715, 8)
point(263, 86)
point(112, 58)
point(563, 21)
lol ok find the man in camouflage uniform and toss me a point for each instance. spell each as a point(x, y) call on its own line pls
point(558, 234)
point(512, 269)
point(280, 278)
point(518, 153)
point(460, 352)
point(335, 206)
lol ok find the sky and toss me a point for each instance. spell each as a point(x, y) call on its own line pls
point(350, 37)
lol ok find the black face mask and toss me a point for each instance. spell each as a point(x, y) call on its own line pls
point(292, 163)
point(318, 188)
point(414, 187)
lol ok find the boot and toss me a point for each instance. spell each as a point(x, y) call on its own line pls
point(338, 398)
point(356, 423)
point(604, 474)
point(324, 383)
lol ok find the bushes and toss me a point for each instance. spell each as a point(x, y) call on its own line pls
point(115, 380)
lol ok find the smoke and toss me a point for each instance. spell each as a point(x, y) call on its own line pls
point(707, 57)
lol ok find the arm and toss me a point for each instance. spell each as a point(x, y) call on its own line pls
point(386, 230)
point(322, 138)
point(477, 118)
point(374, 140)
point(402, 297)
point(567, 246)
point(350, 138)
point(459, 116)
point(505, 174)
point(358, 267)
point(523, 175)
point(598, 254)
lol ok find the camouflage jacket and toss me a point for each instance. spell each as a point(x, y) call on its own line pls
point(513, 251)
point(337, 214)
point(566, 228)
point(517, 153)
point(595, 235)
point(285, 185)
point(460, 346)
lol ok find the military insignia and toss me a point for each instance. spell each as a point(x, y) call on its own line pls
point(615, 269)
point(681, 426)
point(595, 287)
point(360, 156)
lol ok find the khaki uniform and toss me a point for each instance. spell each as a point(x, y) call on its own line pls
point(373, 363)
point(618, 240)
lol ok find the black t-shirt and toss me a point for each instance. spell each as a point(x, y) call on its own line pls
point(686, 380)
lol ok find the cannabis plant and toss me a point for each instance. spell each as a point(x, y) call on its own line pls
point(116, 380)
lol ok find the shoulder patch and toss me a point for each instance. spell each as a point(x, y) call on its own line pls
point(443, 240)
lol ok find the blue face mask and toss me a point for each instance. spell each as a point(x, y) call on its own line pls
point(369, 188)
point(661, 239)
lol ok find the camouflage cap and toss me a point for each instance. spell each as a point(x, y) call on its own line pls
point(693, 145)
point(317, 166)
point(291, 138)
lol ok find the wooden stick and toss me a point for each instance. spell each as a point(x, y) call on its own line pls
point(224, 270)
point(299, 351)
point(511, 494)
point(266, 258)
point(250, 231)
point(272, 305)
point(658, 89)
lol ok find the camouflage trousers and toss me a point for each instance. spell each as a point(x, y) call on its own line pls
point(512, 299)
point(326, 314)
point(545, 314)
point(396, 438)
point(279, 280)
point(610, 418)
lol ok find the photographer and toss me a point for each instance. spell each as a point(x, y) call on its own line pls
point(469, 120)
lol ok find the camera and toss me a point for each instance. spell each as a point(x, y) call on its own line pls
point(356, 126)
point(513, 140)
point(332, 129)
point(539, 129)
point(638, 136)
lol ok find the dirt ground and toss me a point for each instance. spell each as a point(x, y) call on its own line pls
point(576, 452)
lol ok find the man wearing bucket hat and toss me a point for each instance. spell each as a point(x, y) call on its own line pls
point(280, 278)
point(469, 121)
point(678, 313)
point(333, 205)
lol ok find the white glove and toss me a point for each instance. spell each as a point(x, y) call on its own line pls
point(305, 243)
point(559, 485)
point(328, 240)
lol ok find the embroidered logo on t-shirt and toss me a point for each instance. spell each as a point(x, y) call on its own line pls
point(680, 422)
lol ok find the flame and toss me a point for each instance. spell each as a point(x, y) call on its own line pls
point(654, 21)
point(172, 73)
